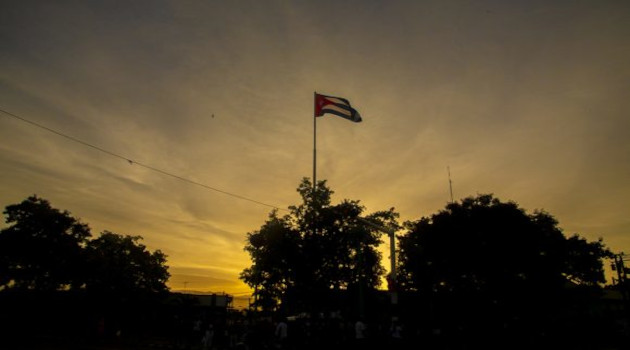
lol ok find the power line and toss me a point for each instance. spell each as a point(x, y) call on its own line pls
point(131, 161)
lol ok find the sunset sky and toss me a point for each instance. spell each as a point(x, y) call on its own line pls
point(528, 100)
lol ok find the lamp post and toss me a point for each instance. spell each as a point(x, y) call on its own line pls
point(392, 256)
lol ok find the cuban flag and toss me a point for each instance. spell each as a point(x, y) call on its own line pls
point(337, 106)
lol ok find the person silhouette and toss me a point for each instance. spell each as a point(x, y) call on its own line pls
point(281, 334)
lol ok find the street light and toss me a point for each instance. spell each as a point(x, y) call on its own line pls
point(392, 255)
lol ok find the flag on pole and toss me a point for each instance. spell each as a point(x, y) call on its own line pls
point(337, 106)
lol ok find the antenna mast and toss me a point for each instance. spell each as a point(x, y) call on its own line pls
point(450, 183)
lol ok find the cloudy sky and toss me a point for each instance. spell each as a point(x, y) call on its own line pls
point(528, 100)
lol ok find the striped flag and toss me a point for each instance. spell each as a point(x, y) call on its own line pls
point(337, 106)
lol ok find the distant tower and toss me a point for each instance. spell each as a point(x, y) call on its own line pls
point(450, 183)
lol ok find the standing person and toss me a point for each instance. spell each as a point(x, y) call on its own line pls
point(197, 332)
point(395, 333)
point(359, 334)
point(281, 334)
point(206, 341)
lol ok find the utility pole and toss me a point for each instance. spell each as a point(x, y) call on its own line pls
point(622, 272)
point(618, 266)
point(622, 278)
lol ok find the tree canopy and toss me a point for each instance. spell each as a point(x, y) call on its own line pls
point(316, 248)
point(46, 249)
point(121, 264)
point(42, 248)
point(485, 256)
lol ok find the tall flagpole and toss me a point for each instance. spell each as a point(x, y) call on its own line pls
point(314, 144)
point(314, 194)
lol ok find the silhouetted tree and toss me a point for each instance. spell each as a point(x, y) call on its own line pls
point(275, 252)
point(42, 248)
point(46, 249)
point(318, 247)
point(56, 283)
point(483, 262)
point(120, 264)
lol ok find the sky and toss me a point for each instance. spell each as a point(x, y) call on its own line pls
point(527, 100)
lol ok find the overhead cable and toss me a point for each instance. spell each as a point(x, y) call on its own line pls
point(131, 161)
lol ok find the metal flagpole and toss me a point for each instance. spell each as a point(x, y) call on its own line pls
point(314, 194)
point(314, 144)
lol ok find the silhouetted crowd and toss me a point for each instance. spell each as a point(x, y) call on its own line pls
point(296, 333)
point(331, 333)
